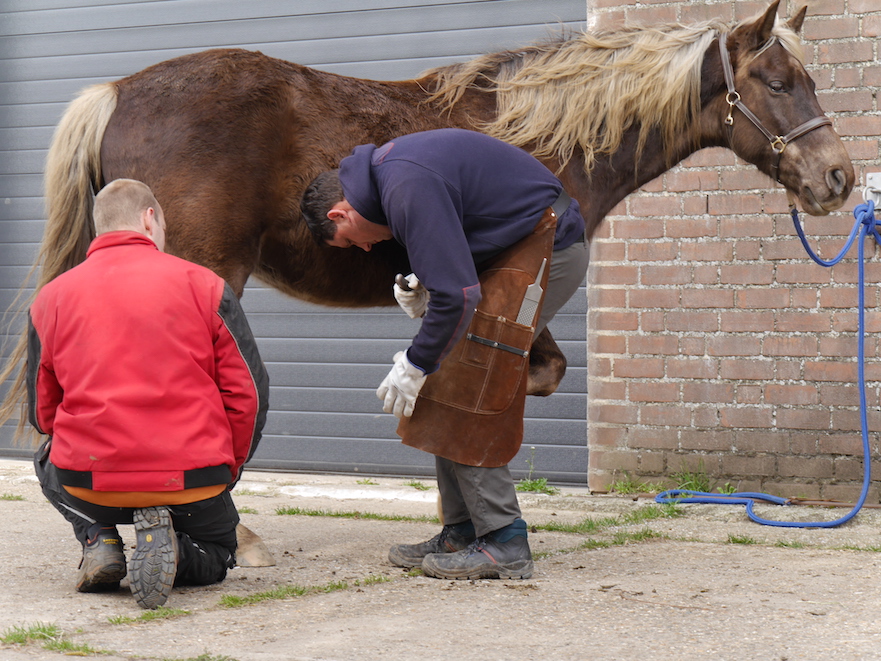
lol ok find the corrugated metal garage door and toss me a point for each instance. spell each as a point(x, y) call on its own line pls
point(324, 363)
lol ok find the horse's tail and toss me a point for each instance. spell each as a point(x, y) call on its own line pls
point(73, 173)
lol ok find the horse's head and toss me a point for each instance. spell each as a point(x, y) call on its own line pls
point(788, 137)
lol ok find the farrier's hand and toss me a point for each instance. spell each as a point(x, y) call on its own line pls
point(411, 295)
point(398, 391)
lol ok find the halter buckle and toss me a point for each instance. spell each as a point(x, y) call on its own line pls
point(778, 144)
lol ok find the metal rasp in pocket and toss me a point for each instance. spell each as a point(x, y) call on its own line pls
point(531, 299)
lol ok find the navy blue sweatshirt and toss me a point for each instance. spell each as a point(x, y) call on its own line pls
point(453, 198)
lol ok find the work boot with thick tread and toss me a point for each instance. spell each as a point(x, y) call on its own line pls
point(154, 562)
point(103, 563)
point(484, 558)
point(447, 540)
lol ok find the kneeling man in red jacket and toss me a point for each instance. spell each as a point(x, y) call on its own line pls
point(144, 373)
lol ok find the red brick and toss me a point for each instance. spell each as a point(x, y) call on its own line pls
point(799, 345)
point(703, 392)
point(649, 15)
point(613, 460)
point(862, 6)
point(707, 298)
point(747, 274)
point(692, 228)
point(828, 370)
point(748, 441)
point(804, 322)
point(747, 250)
point(847, 469)
point(847, 77)
point(693, 368)
point(608, 250)
point(654, 345)
point(872, 76)
point(746, 416)
point(859, 125)
point(847, 51)
point(723, 204)
point(654, 298)
point(786, 489)
point(655, 251)
point(763, 298)
point(788, 369)
point(745, 179)
point(652, 322)
point(803, 442)
point(640, 229)
point(832, 28)
point(760, 226)
point(609, 321)
point(599, 367)
point(872, 26)
point(707, 440)
point(665, 274)
point(656, 439)
point(712, 157)
point(639, 368)
point(692, 321)
point(748, 9)
point(746, 369)
point(694, 205)
point(739, 322)
point(706, 417)
point(606, 344)
point(843, 101)
point(606, 297)
point(839, 395)
point(802, 274)
point(795, 395)
point(805, 299)
point(838, 297)
point(705, 274)
point(614, 413)
point(610, 274)
point(846, 444)
point(803, 419)
point(750, 466)
point(655, 206)
point(664, 416)
point(825, 7)
point(783, 249)
point(654, 392)
point(862, 150)
point(817, 467)
point(609, 436)
point(652, 462)
point(748, 394)
point(656, 185)
point(705, 251)
point(734, 345)
point(678, 180)
point(841, 347)
point(696, 12)
point(693, 346)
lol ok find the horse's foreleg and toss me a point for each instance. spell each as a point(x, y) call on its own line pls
point(547, 366)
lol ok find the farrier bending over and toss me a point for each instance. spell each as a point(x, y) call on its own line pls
point(454, 199)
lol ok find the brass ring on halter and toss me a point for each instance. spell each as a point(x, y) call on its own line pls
point(778, 144)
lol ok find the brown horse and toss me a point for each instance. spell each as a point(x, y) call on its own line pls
point(228, 140)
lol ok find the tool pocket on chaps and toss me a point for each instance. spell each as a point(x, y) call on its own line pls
point(501, 348)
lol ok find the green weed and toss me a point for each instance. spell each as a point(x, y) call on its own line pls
point(299, 511)
point(247, 510)
point(367, 480)
point(161, 613)
point(628, 486)
point(535, 484)
point(11, 496)
point(416, 484)
point(50, 637)
point(741, 539)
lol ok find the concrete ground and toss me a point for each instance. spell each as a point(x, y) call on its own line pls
point(707, 583)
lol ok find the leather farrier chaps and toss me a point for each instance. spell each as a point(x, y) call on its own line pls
point(471, 409)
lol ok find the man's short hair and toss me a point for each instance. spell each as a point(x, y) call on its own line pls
point(119, 204)
point(322, 193)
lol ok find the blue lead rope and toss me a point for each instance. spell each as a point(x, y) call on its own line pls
point(865, 217)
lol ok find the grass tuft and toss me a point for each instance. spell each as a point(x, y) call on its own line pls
point(299, 511)
point(161, 613)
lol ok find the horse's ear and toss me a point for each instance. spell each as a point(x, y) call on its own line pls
point(798, 20)
point(760, 31)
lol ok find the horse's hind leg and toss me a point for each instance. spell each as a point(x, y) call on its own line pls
point(547, 366)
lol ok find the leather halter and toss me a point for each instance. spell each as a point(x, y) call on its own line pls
point(778, 142)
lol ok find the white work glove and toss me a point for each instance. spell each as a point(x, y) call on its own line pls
point(414, 300)
point(399, 389)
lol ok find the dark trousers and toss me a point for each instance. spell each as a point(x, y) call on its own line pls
point(486, 496)
point(206, 529)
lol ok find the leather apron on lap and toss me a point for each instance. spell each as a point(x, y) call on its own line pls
point(471, 409)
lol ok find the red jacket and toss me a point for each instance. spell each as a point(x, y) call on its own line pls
point(143, 370)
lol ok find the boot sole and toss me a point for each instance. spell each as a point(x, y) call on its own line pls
point(517, 570)
point(105, 579)
point(399, 560)
point(154, 562)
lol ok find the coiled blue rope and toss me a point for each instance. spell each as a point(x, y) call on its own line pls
point(865, 224)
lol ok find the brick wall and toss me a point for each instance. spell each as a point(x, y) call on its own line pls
point(715, 343)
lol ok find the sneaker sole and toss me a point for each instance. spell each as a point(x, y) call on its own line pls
point(154, 562)
point(517, 570)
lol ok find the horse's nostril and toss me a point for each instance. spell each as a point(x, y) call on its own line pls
point(836, 180)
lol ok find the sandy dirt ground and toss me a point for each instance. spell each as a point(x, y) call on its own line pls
point(705, 584)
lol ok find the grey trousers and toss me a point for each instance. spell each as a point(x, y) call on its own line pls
point(488, 496)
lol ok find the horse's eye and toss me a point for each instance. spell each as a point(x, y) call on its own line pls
point(777, 86)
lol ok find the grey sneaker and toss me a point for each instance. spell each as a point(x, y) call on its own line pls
point(154, 562)
point(447, 540)
point(484, 558)
point(103, 563)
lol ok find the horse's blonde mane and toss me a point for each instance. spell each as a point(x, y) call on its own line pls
point(586, 90)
